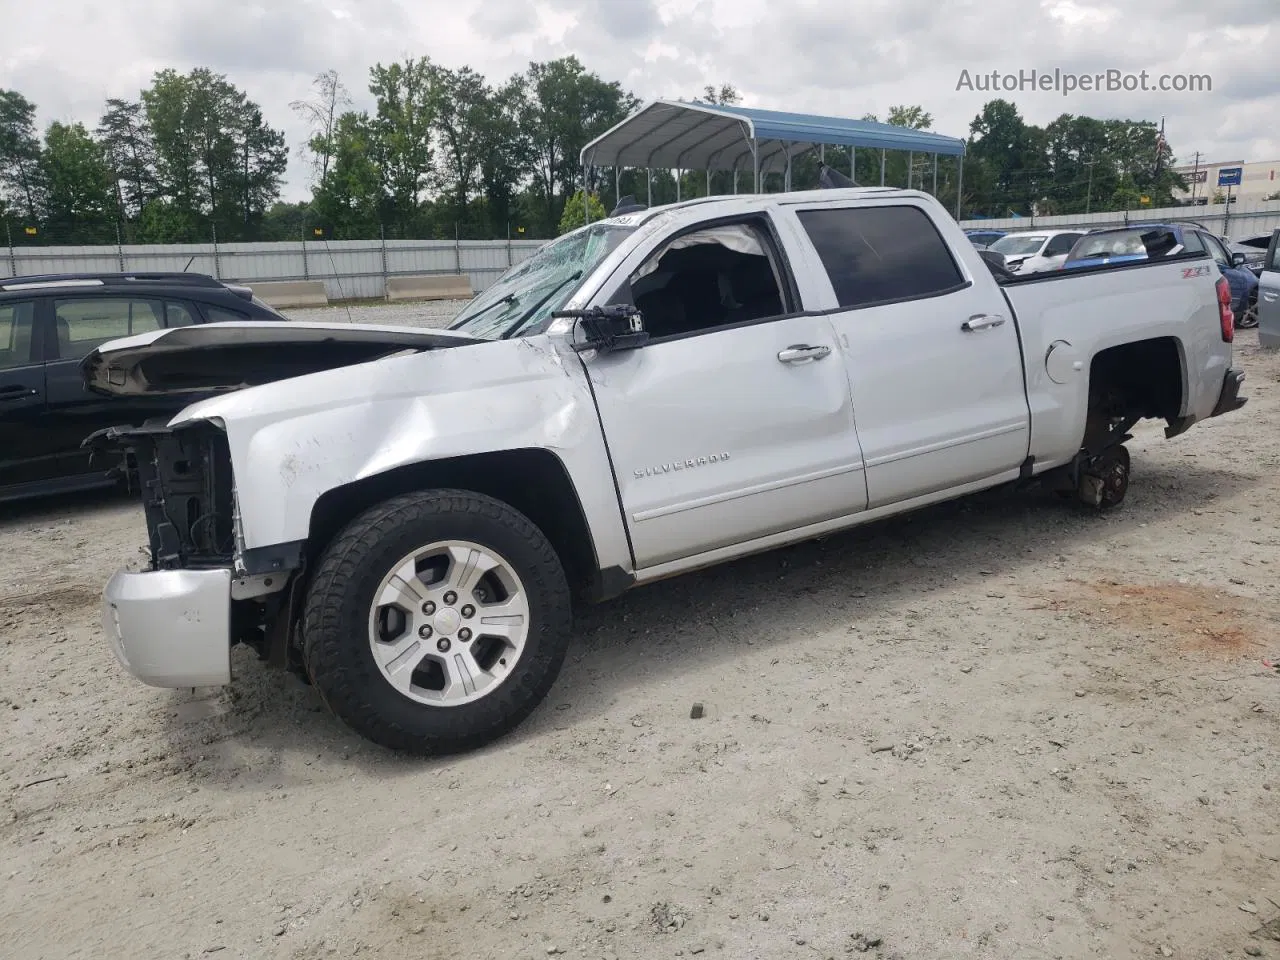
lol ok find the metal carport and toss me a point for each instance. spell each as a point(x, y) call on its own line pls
point(676, 135)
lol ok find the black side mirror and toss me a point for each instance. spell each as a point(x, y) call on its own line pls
point(618, 326)
point(1239, 259)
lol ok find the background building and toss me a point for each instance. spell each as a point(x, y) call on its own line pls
point(1259, 181)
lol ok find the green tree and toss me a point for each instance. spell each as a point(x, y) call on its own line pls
point(130, 154)
point(20, 181)
point(565, 107)
point(724, 95)
point(914, 117)
point(217, 159)
point(402, 132)
point(79, 187)
point(285, 221)
point(262, 160)
point(506, 152)
point(573, 216)
point(350, 198)
point(321, 113)
point(462, 102)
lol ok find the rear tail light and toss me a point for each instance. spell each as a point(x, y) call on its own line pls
point(1224, 310)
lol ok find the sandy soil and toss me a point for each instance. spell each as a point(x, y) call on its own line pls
point(999, 728)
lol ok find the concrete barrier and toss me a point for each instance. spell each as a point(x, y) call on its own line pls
point(292, 293)
point(440, 286)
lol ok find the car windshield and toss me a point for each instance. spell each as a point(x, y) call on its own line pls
point(1120, 243)
point(1018, 246)
point(524, 297)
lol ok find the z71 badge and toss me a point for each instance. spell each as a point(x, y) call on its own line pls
point(1189, 272)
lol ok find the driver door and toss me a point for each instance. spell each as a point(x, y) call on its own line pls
point(735, 421)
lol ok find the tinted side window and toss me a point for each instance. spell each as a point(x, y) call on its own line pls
point(1273, 252)
point(223, 315)
point(874, 254)
point(177, 315)
point(16, 320)
point(1191, 242)
point(1217, 251)
point(83, 325)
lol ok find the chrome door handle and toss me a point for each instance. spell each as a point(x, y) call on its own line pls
point(802, 353)
point(982, 321)
point(1269, 296)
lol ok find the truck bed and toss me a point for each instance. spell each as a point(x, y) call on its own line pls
point(1128, 304)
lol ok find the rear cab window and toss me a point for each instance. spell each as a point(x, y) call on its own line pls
point(886, 254)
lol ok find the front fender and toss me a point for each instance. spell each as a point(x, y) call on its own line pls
point(293, 440)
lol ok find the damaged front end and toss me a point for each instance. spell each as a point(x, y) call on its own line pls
point(185, 480)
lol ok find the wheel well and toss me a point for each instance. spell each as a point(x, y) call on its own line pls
point(532, 481)
point(1137, 380)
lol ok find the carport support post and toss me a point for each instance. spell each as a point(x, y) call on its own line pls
point(213, 233)
point(853, 164)
point(13, 260)
point(617, 189)
point(882, 166)
point(935, 175)
point(677, 176)
point(306, 271)
point(648, 176)
point(755, 161)
point(786, 177)
point(708, 181)
point(959, 186)
point(119, 248)
point(911, 162)
point(382, 245)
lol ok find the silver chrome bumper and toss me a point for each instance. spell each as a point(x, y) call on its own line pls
point(171, 628)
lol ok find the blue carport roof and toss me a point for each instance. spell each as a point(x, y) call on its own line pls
point(697, 136)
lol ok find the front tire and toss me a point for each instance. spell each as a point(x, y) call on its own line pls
point(436, 622)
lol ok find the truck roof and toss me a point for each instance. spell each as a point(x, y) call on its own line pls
point(738, 202)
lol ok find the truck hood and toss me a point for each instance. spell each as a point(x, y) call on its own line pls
point(223, 357)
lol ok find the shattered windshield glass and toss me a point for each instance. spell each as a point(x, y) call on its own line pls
point(524, 297)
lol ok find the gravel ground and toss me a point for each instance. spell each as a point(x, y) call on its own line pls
point(1002, 727)
point(429, 314)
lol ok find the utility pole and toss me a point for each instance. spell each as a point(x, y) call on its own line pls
point(1088, 200)
point(1195, 178)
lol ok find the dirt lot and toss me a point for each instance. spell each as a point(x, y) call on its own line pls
point(1000, 728)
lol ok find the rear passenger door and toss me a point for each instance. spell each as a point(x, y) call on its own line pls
point(81, 324)
point(932, 354)
point(26, 453)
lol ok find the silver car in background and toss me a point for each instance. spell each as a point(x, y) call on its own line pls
point(1269, 296)
point(1036, 251)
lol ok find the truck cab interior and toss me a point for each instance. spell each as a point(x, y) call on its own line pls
point(714, 277)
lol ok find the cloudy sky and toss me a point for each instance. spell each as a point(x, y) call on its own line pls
point(837, 57)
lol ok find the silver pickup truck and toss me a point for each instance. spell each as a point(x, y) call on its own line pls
point(406, 516)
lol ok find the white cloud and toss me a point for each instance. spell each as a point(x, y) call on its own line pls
point(808, 55)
